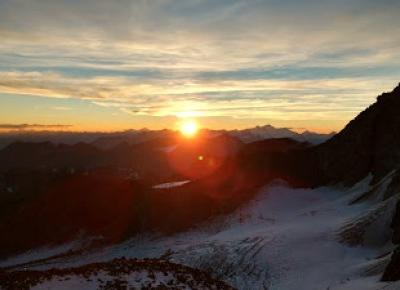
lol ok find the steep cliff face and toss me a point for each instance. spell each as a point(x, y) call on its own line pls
point(369, 143)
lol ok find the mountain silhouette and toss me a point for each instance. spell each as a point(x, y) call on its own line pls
point(370, 143)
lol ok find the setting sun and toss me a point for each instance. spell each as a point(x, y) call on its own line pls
point(189, 128)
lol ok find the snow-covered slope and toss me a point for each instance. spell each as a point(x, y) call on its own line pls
point(259, 133)
point(116, 274)
point(288, 239)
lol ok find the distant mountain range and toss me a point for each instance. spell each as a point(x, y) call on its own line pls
point(268, 132)
point(109, 140)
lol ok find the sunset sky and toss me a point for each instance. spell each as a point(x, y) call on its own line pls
point(114, 65)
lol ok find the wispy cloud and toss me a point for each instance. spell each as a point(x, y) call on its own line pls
point(222, 96)
point(32, 126)
point(60, 108)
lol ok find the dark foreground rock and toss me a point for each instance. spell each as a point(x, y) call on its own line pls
point(392, 271)
point(116, 274)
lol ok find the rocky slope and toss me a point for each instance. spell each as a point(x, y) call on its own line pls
point(114, 275)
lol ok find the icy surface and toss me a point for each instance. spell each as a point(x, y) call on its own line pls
point(284, 239)
point(40, 254)
point(171, 184)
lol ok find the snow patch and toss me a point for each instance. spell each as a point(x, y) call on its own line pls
point(170, 184)
point(135, 280)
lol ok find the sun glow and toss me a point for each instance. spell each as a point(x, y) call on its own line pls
point(189, 128)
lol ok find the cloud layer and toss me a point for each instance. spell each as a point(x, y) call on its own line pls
point(303, 60)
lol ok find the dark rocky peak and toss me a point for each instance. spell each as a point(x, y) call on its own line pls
point(368, 144)
point(391, 96)
point(78, 147)
point(29, 146)
point(121, 147)
point(275, 145)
